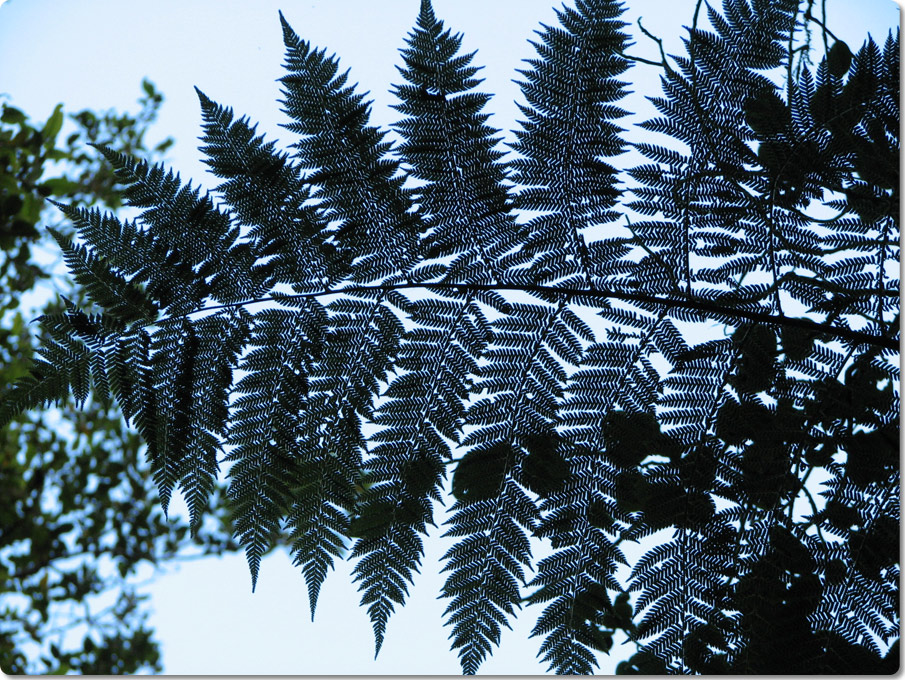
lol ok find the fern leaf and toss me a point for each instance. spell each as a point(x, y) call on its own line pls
point(575, 580)
point(169, 281)
point(207, 238)
point(571, 92)
point(424, 411)
point(723, 370)
point(355, 180)
point(48, 382)
point(107, 288)
point(492, 510)
point(451, 150)
point(265, 429)
point(268, 195)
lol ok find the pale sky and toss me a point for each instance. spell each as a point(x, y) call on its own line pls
point(94, 54)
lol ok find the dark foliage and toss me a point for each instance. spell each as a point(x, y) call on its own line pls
point(562, 362)
point(79, 517)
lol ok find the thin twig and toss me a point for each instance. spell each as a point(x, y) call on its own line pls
point(641, 60)
point(657, 40)
point(826, 31)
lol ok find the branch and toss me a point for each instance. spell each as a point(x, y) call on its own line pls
point(641, 59)
point(663, 63)
point(657, 40)
point(826, 31)
point(690, 303)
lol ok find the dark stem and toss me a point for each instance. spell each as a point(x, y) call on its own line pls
point(826, 31)
point(691, 303)
point(657, 40)
point(641, 60)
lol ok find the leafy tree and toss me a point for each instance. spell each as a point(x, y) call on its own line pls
point(80, 512)
point(343, 323)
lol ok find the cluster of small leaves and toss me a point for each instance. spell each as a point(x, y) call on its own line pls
point(80, 513)
point(750, 411)
point(35, 164)
point(342, 322)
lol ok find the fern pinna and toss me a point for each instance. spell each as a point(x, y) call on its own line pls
point(342, 322)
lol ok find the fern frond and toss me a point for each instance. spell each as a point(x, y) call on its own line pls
point(354, 179)
point(266, 430)
point(571, 91)
point(722, 372)
point(205, 241)
point(360, 336)
point(106, 287)
point(577, 579)
point(51, 380)
point(268, 196)
point(174, 351)
point(423, 413)
point(451, 149)
point(513, 450)
point(130, 250)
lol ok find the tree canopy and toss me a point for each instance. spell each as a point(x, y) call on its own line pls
point(695, 357)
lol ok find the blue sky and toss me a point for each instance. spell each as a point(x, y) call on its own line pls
point(94, 54)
